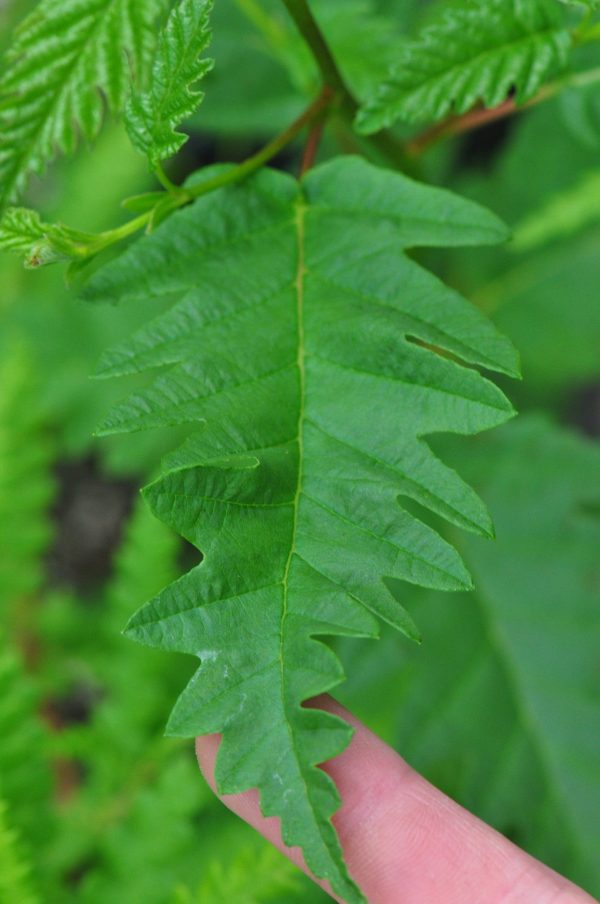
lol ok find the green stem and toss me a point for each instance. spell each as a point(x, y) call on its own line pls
point(331, 75)
point(384, 144)
point(270, 150)
point(182, 196)
point(164, 179)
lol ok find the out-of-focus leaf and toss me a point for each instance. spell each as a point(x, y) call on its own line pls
point(501, 704)
point(564, 214)
point(478, 52)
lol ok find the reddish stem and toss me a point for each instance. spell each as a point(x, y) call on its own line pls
point(473, 119)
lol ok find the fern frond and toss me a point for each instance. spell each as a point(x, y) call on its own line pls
point(131, 862)
point(145, 562)
point(15, 880)
point(252, 877)
point(292, 345)
point(69, 56)
point(26, 484)
point(152, 117)
point(25, 779)
point(479, 52)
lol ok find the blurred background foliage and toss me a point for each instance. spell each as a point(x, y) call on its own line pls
point(499, 706)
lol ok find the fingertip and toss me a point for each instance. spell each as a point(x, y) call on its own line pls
point(207, 747)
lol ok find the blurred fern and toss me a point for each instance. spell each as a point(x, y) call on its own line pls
point(25, 778)
point(15, 880)
point(26, 485)
point(252, 877)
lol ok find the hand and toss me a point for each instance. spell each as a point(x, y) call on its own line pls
point(404, 841)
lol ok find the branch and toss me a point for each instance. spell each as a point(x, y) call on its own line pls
point(330, 73)
point(483, 116)
point(176, 197)
point(384, 144)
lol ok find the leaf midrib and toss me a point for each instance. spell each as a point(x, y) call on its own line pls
point(299, 221)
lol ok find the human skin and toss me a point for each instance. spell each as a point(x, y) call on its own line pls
point(405, 842)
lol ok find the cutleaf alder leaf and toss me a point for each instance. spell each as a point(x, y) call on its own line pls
point(314, 356)
point(68, 60)
point(152, 117)
point(477, 52)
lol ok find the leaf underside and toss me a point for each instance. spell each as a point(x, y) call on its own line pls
point(476, 53)
point(69, 60)
point(314, 355)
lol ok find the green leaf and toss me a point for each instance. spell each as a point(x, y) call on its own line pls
point(479, 52)
point(66, 61)
point(152, 117)
point(302, 345)
point(501, 706)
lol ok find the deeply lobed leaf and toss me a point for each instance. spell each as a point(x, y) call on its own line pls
point(478, 52)
point(302, 341)
point(68, 58)
point(152, 117)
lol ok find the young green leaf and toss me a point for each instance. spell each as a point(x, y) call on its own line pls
point(478, 52)
point(23, 232)
point(152, 117)
point(303, 344)
point(67, 59)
